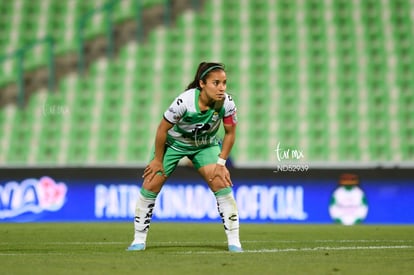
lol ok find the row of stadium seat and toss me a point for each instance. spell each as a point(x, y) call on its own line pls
point(24, 22)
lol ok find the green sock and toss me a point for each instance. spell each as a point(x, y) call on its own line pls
point(148, 194)
point(222, 192)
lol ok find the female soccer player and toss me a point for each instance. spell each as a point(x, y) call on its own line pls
point(188, 129)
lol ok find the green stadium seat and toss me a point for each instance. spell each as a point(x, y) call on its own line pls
point(48, 148)
point(262, 44)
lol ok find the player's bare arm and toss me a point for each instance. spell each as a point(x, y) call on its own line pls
point(220, 170)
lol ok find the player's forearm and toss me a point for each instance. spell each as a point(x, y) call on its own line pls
point(227, 145)
point(160, 139)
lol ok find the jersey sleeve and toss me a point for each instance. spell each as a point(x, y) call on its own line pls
point(230, 111)
point(176, 110)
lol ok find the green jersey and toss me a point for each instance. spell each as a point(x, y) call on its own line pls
point(194, 128)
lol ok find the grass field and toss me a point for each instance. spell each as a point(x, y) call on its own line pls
point(186, 248)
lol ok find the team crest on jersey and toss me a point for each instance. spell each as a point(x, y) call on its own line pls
point(215, 117)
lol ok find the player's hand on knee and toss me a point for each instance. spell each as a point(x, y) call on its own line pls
point(153, 168)
point(222, 174)
point(227, 177)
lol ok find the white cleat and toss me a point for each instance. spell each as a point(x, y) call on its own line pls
point(234, 248)
point(136, 247)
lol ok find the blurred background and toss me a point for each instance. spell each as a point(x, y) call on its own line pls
point(331, 78)
point(325, 83)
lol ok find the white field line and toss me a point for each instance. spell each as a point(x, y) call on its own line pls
point(305, 249)
point(274, 250)
point(221, 243)
point(271, 250)
point(327, 248)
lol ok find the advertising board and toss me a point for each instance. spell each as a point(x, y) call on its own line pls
point(47, 197)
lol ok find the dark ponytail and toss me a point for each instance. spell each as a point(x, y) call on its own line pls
point(204, 68)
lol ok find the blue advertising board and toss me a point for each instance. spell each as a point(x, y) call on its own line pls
point(272, 200)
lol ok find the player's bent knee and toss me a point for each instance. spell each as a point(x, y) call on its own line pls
point(155, 184)
point(218, 184)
